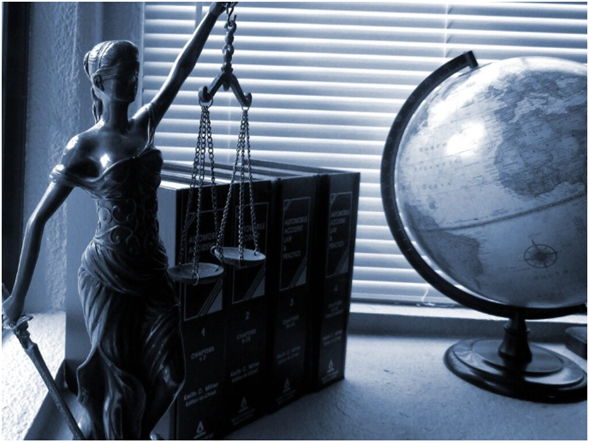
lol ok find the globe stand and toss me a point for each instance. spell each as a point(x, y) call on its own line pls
point(514, 368)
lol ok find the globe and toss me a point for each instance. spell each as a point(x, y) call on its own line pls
point(491, 181)
point(484, 187)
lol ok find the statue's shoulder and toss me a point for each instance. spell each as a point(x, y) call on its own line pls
point(79, 155)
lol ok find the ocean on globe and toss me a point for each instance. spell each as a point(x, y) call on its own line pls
point(491, 181)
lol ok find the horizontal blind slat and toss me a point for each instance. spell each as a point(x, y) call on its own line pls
point(387, 275)
point(318, 46)
point(186, 101)
point(306, 125)
point(313, 45)
point(304, 59)
point(335, 8)
point(311, 74)
point(356, 89)
point(296, 157)
point(535, 9)
point(374, 36)
point(183, 120)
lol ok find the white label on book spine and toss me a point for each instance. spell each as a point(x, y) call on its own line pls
point(340, 225)
point(295, 242)
point(249, 283)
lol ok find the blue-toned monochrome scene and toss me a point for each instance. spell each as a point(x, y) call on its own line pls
point(294, 220)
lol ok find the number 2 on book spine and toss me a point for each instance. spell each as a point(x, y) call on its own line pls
point(247, 315)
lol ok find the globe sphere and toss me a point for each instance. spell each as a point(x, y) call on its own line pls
point(491, 181)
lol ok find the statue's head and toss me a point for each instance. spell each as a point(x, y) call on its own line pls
point(113, 69)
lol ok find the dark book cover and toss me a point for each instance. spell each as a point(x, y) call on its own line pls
point(288, 283)
point(331, 301)
point(197, 410)
point(289, 288)
point(246, 303)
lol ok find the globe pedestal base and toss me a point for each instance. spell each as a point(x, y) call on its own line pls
point(547, 377)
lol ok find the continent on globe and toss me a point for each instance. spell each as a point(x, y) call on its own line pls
point(464, 249)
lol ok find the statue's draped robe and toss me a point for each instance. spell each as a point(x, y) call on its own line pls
point(135, 367)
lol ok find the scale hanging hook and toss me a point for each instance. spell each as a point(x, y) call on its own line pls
point(230, 9)
point(205, 103)
point(226, 79)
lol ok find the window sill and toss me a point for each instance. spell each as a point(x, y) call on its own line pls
point(23, 390)
point(419, 321)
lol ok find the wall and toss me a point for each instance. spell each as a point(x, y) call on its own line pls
point(59, 107)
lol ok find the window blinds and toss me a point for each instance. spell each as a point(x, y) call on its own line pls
point(328, 79)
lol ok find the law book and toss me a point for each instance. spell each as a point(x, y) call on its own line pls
point(290, 233)
point(331, 264)
point(199, 405)
point(290, 286)
point(333, 281)
point(246, 304)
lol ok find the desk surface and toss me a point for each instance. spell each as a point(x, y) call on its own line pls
point(399, 388)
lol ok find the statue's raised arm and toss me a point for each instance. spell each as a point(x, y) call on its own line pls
point(184, 64)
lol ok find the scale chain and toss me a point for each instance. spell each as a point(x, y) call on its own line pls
point(192, 187)
point(220, 235)
point(241, 190)
point(209, 133)
point(249, 168)
point(201, 173)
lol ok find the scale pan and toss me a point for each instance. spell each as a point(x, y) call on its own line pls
point(207, 273)
point(250, 257)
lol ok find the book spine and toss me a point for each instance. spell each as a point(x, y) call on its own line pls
point(199, 404)
point(246, 302)
point(333, 270)
point(196, 412)
point(289, 288)
point(169, 213)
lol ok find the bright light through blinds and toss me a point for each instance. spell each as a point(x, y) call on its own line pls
point(328, 80)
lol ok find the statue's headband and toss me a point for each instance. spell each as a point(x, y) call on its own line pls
point(108, 72)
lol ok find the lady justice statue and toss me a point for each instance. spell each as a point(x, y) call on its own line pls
point(135, 368)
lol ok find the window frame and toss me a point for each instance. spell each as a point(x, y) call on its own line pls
point(15, 54)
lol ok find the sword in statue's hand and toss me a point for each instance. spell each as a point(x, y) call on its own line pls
point(20, 329)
